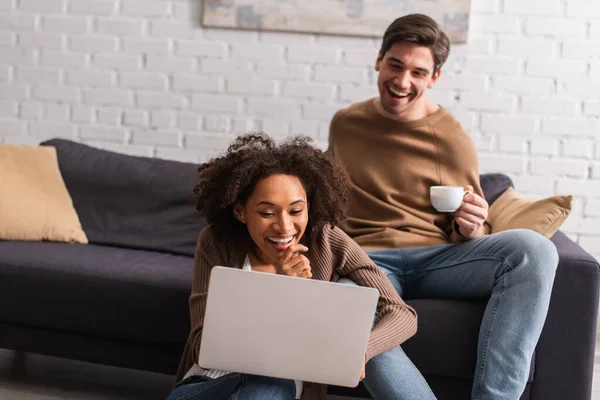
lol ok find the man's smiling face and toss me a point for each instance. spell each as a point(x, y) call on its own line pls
point(405, 73)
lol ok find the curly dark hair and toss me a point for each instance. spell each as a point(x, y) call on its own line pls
point(230, 179)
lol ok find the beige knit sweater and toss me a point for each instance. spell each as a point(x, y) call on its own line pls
point(332, 254)
point(392, 164)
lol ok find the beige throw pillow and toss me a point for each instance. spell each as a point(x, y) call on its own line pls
point(513, 211)
point(34, 201)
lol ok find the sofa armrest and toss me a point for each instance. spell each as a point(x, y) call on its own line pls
point(565, 353)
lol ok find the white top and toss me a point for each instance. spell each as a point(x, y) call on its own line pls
point(196, 370)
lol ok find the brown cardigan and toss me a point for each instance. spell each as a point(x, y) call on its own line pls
point(332, 254)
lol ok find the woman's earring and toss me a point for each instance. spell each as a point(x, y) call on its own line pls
point(241, 216)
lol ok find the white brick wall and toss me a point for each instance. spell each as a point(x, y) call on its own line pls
point(142, 77)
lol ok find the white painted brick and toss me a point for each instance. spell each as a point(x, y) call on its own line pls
point(278, 128)
point(506, 24)
point(268, 107)
point(138, 80)
point(542, 146)
point(579, 187)
point(72, 25)
point(346, 42)
point(592, 208)
point(197, 83)
point(8, 108)
point(191, 156)
point(533, 7)
point(231, 36)
point(545, 106)
point(483, 143)
point(576, 207)
point(588, 226)
point(477, 45)
point(189, 121)
point(512, 144)
point(7, 39)
point(488, 101)
point(527, 47)
point(44, 130)
point(287, 38)
point(89, 77)
point(467, 119)
point(161, 138)
point(283, 71)
point(217, 123)
point(160, 100)
point(56, 112)
point(334, 73)
point(187, 11)
point(578, 148)
point(92, 7)
point(162, 119)
point(357, 93)
point(218, 142)
point(555, 27)
point(559, 167)
point(533, 185)
point(241, 125)
point(243, 85)
point(570, 126)
point(93, 44)
point(146, 8)
point(305, 128)
point(66, 60)
point(109, 116)
point(492, 65)
point(18, 22)
point(200, 48)
point(445, 98)
point(18, 56)
point(586, 9)
point(481, 7)
point(319, 111)
point(81, 113)
point(135, 117)
point(591, 244)
point(581, 49)
point(12, 127)
point(556, 69)
point(41, 40)
point(7, 5)
point(313, 54)
point(31, 111)
point(176, 29)
point(360, 57)
point(320, 91)
point(37, 75)
point(122, 62)
point(595, 30)
point(146, 46)
point(522, 85)
point(119, 26)
point(463, 81)
point(505, 163)
point(595, 69)
point(41, 6)
point(13, 92)
point(107, 97)
point(580, 88)
point(169, 64)
point(98, 132)
point(595, 170)
point(225, 68)
point(213, 102)
point(56, 93)
point(592, 108)
point(257, 52)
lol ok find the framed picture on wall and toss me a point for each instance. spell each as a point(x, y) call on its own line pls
point(366, 18)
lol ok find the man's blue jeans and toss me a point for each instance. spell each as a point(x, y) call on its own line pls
point(513, 269)
point(234, 386)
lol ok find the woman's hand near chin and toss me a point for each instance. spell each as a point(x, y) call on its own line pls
point(292, 263)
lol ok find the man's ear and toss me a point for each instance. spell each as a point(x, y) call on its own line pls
point(434, 78)
point(378, 62)
point(238, 212)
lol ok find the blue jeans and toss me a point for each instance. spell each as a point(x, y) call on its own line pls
point(513, 269)
point(234, 386)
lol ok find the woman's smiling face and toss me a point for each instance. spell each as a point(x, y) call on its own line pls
point(276, 215)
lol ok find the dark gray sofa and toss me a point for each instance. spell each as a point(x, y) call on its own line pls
point(122, 300)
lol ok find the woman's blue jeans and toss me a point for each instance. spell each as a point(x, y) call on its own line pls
point(513, 269)
point(234, 386)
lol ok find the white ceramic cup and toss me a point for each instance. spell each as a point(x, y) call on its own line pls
point(446, 198)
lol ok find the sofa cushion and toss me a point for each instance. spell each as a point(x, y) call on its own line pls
point(128, 201)
point(34, 202)
point(94, 290)
point(493, 185)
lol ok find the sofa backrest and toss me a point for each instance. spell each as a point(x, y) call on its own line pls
point(129, 201)
point(493, 185)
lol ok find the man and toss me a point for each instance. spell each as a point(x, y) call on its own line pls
point(395, 147)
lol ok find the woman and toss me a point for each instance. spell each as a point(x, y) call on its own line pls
point(273, 209)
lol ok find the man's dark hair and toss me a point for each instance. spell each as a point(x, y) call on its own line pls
point(421, 30)
point(230, 179)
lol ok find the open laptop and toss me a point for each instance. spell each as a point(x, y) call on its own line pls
point(286, 327)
